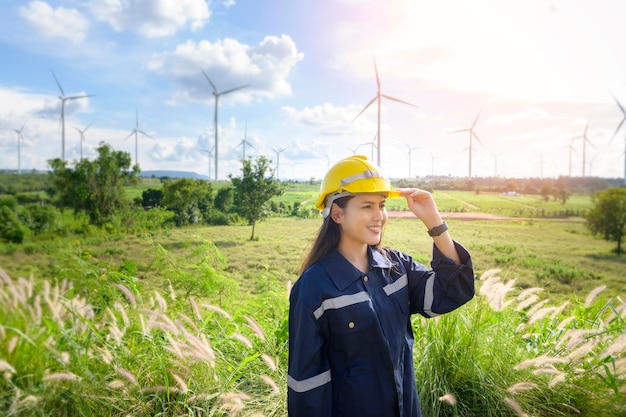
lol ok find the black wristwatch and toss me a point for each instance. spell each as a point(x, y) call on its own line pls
point(436, 231)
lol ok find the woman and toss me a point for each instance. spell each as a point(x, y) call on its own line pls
point(350, 335)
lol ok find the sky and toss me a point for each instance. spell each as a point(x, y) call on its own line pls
point(533, 77)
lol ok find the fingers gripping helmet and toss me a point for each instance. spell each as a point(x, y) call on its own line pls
point(352, 175)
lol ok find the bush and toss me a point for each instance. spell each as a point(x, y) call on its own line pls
point(11, 228)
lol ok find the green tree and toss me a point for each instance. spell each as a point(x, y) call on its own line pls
point(94, 187)
point(254, 190)
point(191, 200)
point(607, 217)
point(11, 228)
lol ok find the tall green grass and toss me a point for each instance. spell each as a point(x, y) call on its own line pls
point(67, 350)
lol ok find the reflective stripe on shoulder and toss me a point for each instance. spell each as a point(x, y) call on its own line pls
point(429, 296)
point(309, 383)
point(340, 302)
point(397, 285)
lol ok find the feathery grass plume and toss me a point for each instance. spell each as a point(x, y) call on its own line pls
point(187, 320)
point(12, 343)
point(127, 293)
point(243, 339)
point(618, 347)
point(269, 361)
point(4, 277)
point(174, 347)
point(6, 366)
point(448, 398)
point(163, 322)
point(184, 368)
point(106, 355)
point(61, 376)
point(37, 313)
point(528, 292)
point(620, 367)
point(495, 292)
point(217, 310)
point(116, 384)
point(573, 337)
point(171, 291)
point(256, 327)
point(116, 333)
point(536, 307)
point(565, 322)
point(179, 381)
point(158, 388)
point(3, 333)
point(540, 314)
point(548, 370)
point(130, 377)
point(122, 312)
point(515, 407)
point(160, 301)
point(593, 294)
point(557, 380)
point(489, 273)
point(522, 386)
point(532, 299)
point(199, 397)
point(29, 400)
point(569, 407)
point(195, 308)
point(269, 381)
point(233, 402)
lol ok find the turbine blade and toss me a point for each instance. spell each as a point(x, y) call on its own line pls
point(398, 100)
point(620, 105)
point(234, 89)
point(75, 97)
point(144, 133)
point(130, 134)
point(476, 119)
point(618, 128)
point(365, 108)
point(58, 83)
point(477, 138)
point(377, 78)
point(209, 80)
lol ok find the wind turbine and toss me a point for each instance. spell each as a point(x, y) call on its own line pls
point(372, 145)
point(217, 95)
point(82, 137)
point(432, 164)
point(63, 99)
point(495, 163)
point(472, 135)
point(617, 130)
point(571, 150)
point(585, 141)
point(377, 98)
point(136, 131)
point(20, 140)
point(210, 153)
point(243, 143)
point(410, 149)
point(278, 152)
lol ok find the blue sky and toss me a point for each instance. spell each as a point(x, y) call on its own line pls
point(535, 73)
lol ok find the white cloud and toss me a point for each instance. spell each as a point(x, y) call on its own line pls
point(327, 118)
point(230, 64)
point(62, 23)
point(152, 18)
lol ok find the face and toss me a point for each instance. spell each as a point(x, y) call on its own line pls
point(362, 220)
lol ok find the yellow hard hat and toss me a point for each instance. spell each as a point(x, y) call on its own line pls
point(352, 175)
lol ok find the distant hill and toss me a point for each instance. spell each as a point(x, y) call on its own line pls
point(173, 174)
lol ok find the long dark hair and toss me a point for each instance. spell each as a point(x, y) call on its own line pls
point(327, 237)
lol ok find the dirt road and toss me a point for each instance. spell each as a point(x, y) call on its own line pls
point(477, 216)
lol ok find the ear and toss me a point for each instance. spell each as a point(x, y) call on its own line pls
point(336, 213)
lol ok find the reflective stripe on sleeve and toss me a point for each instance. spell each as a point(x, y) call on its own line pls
point(397, 285)
point(309, 383)
point(429, 296)
point(340, 302)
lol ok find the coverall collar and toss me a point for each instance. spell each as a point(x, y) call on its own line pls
point(343, 273)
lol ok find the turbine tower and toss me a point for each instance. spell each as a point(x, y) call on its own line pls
point(20, 140)
point(410, 150)
point(136, 131)
point(217, 95)
point(278, 152)
point(585, 141)
point(210, 153)
point(245, 142)
point(472, 135)
point(617, 130)
point(63, 99)
point(82, 137)
point(377, 98)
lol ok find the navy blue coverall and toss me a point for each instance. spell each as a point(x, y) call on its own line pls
point(350, 334)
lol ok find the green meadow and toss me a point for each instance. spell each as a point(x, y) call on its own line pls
point(192, 321)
